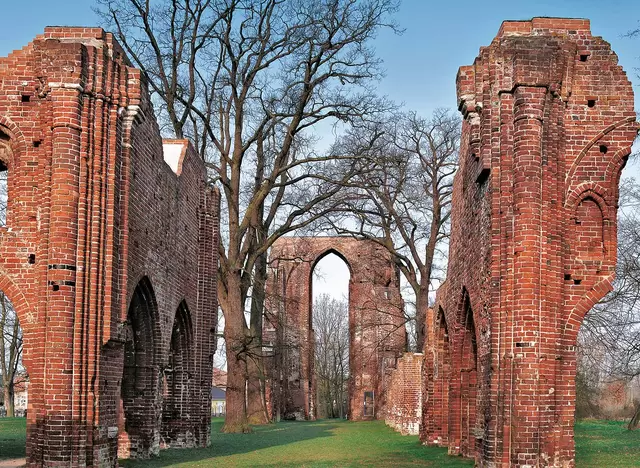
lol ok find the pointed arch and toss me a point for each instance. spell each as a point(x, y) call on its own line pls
point(464, 381)
point(177, 381)
point(138, 433)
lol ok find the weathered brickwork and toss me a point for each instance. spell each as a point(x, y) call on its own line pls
point(548, 124)
point(109, 256)
point(376, 324)
point(404, 394)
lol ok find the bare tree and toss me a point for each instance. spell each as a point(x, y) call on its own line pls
point(10, 352)
point(609, 340)
point(331, 330)
point(403, 202)
point(249, 81)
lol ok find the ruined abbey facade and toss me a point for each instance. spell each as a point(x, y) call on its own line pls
point(376, 325)
point(548, 125)
point(108, 255)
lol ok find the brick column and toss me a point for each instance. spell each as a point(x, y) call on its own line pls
point(58, 425)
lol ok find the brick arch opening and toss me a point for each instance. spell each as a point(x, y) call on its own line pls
point(376, 323)
point(328, 252)
point(14, 365)
point(139, 409)
point(464, 384)
point(178, 382)
point(341, 406)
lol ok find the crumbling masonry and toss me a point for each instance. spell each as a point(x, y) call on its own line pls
point(108, 255)
point(548, 124)
point(376, 324)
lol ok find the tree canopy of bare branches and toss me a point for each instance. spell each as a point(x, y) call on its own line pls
point(250, 81)
point(403, 201)
point(10, 351)
point(331, 330)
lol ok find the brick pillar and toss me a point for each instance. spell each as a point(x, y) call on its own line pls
point(58, 425)
point(528, 308)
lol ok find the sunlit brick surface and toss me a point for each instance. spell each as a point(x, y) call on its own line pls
point(108, 255)
point(548, 124)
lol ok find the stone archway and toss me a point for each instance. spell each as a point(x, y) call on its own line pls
point(376, 324)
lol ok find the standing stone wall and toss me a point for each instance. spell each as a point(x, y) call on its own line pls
point(548, 125)
point(109, 255)
point(404, 395)
point(376, 324)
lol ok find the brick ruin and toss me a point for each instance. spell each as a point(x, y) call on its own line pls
point(403, 410)
point(108, 255)
point(376, 324)
point(548, 125)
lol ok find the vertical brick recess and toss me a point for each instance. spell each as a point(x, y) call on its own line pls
point(376, 323)
point(548, 125)
point(109, 256)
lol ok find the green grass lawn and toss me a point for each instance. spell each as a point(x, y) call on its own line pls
point(605, 444)
point(332, 443)
point(13, 437)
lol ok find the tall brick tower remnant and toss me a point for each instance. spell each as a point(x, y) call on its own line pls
point(108, 256)
point(548, 125)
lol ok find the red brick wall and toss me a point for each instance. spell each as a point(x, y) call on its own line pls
point(95, 214)
point(376, 322)
point(548, 124)
point(404, 394)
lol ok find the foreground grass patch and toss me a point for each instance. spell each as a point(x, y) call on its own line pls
point(327, 443)
point(605, 444)
point(13, 437)
point(332, 443)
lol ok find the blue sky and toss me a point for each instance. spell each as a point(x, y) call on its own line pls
point(421, 63)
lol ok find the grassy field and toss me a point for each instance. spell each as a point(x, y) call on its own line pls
point(13, 437)
point(333, 443)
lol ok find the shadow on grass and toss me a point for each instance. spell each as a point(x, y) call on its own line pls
point(223, 445)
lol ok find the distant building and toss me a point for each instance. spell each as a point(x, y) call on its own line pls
point(21, 395)
point(218, 392)
point(218, 402)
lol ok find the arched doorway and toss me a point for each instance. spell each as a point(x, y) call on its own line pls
point(464, 386)
point(139, 397)
point(330, 317)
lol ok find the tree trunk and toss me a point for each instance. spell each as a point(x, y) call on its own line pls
point(422, 305)
point(635, 420)
point(256, 377)
point(9, 399)
point(235, 340)
point(256, 403)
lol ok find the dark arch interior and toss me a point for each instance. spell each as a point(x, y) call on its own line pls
point(140, 375)
point(177, 388)
point(468, 378)
point(442, 372)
